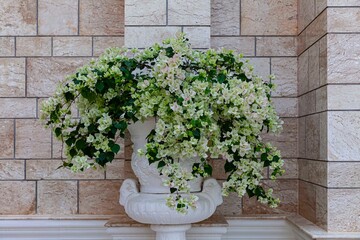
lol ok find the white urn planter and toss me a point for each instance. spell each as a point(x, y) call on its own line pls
point(148, 204)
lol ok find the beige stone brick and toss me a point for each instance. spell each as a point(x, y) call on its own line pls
point(303, 73)
point(19, 198)
point(320, 5)
point(33, 46)
point(116, 169)
point(302, 137)
point(280, 46)
point(324, 136)
point(49, 169)
point(141, 37)
point(58, 17)
point(17, 108)
point(6, 138)
point(273, 17)
point(286, 190)
point(343, 136)
point(218, 169)
point(301, 42)
point(317, 29)
point(288, 134)
point(307, 103)
point(11, 169)
point(100, 198)
point(140, 12)
point(12, 77)
point(102, 43)
point(57, 197)
point(288, 149)
point(343, 207)
point(129, 173)
point(7, 46)
point(307, 201)
point(225, 17)
point(261, 67)
point(285, 71)
point(72, 46)
point(291, 169)
point(313, 171)
point(343, 58)
point(231, 206)
point(45, 73)
point(188, 12)
point(313, 136)
point(306, 12)
point(18, 17)
point(32, 140)
point(102, 17)
point(323, 61)
point(350, 3)
point(244, 45)
point(343, 175)
point(286, 107)
point(321, 99)
point(199, 37)
point(342, 97)
point(314, 66)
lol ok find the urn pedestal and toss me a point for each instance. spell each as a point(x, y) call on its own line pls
point(148, 204)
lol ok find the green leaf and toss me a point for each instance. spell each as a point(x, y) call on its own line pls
point(58, 131)
point(122, 125)
point(208, 169)
point(169, 52)
point(196, 133)
point(250, 193)
point(115, 148)
point(80, 144)
point(68, 96)
point(70, 141)
point(73, 152)
point(229, 167)
point(161, 164)
point(100, 86)
point(221, 78)
point(172, 190)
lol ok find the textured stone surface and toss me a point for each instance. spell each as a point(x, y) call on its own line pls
point(286, 190)
point(231, 206)
point(244, 45)
point(261, 67)
point(102, 17)
point(344, 175)
point(314, 66)
point(100, 197)
point(72, 46)
point(199, 37)
point(324, 136)
point(313, 136)
point(33, 46)
point(57, 197)
point(11, 169)
point(138, 12)
point(303, 73)
point(285, 71)
point(188, 12)
point(343, 3)
point(7, 46)
point(307, 103)
point(141, 37)
point(307, 201)
point(313, 171)
point(291, 169)
point(18, 17)
point(19, 198)
point(306, 13)
point(272, 17)
point(58, 17)
point(12, 77)
point(343, 19)
point(344, 136)
point(49, 169)
point(116, 169)
point(286, 107)
point(342, 97)
point(317, 29)
point(302, 137)
point(17, 108)
point(343, 58)
point(102, 43)
point(281, 46)
point(288, 134)
point(320, 5)
point(323, 61)
point(343, 207)
point(45, 73)
point(218, 169)
point(321, 98)
point(225, 17)
point(32, 139)
point(6, 138)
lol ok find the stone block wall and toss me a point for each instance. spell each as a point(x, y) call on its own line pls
point(265, 32)
point(328, 108)
point(42, 41)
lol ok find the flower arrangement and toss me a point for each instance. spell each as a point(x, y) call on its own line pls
point(208, 104)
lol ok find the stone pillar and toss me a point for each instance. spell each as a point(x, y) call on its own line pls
point(329, 78)
point(150, 21)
